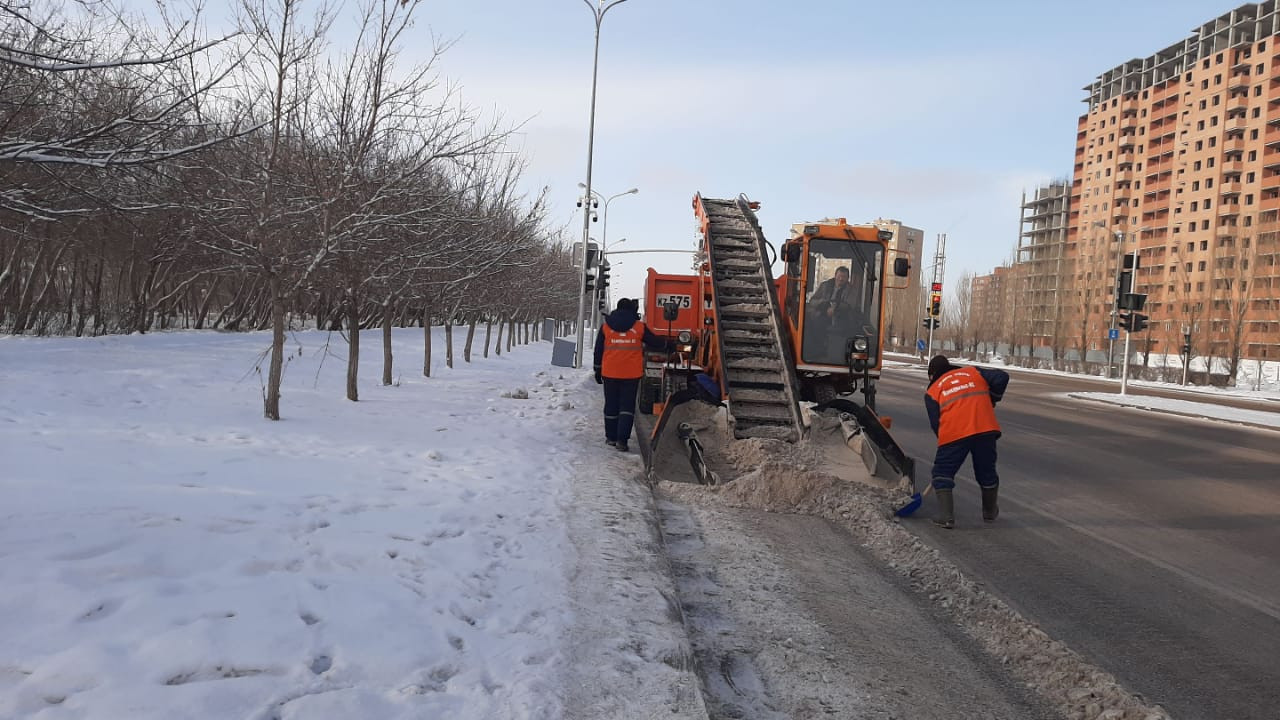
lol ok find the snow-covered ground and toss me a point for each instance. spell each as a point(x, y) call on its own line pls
point(166, 552)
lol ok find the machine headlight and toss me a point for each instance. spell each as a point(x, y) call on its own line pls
point(860, 344)
point(684, 337)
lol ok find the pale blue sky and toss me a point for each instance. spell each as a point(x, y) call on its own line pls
point(935, 113)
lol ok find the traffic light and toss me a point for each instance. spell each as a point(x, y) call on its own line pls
point(935, 304)
point(1133, 322)
point(604, 274)
point(590, 281)
point(931, 323)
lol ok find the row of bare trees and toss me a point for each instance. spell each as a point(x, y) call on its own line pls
point(155, 176)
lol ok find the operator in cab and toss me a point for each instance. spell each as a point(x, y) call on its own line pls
point(832, 319)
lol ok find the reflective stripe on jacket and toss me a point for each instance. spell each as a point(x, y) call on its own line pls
point(965, 405)
point(623, 353)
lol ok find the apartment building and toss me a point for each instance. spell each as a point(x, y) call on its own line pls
point(1043, 264)
point(904, 308)
point(995, 306)
point(1178, 160)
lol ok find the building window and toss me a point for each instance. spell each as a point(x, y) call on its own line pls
point(1204, 104)
point(1199, 145)
point(1195, 205)
point(1249, 177)
point(1204, 244)
point(1253, 134)
point(1248, 200)
point(1195, 185)
point(1261, 67)
point(1208, 184)
point(1204, 225)
point(1217, 79)
point(1201, 266)
point(1208, 204)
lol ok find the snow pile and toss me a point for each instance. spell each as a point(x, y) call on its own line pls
point(168, 553)
point(780, 477)
point(1259, 418)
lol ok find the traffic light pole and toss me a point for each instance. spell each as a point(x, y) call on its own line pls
point(1124, 364)
point(940, 254)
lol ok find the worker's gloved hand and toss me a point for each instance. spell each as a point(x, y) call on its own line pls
point(599, 378)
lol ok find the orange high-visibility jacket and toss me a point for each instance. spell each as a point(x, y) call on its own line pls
point(965, 405)
point(623, 353)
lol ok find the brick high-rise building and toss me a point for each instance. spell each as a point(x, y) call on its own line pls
point(1178, 159)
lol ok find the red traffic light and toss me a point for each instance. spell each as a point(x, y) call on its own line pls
point(937, 287)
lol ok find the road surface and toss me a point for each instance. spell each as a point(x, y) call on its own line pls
point(1148, 542)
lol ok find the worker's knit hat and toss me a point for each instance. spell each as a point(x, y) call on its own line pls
point(939, 365)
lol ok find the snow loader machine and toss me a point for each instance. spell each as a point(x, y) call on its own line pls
point(769, 354)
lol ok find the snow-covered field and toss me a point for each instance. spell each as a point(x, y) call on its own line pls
point(165, 552)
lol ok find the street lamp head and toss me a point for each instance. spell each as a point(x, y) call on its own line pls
point(632, 191)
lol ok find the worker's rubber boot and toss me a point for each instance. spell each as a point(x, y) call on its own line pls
point(990, 509)
point(946, 516)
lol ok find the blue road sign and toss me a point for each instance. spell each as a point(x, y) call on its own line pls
point(1113, 334)
point(920, 345)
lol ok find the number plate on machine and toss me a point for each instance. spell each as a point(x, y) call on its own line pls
point(653, 372)
point(683, 301)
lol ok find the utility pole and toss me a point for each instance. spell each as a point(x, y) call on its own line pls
point(939, 256)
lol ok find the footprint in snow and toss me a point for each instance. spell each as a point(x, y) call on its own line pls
point(320, 664)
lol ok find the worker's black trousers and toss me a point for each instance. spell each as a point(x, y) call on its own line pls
point(947, 462)
point(619, 408)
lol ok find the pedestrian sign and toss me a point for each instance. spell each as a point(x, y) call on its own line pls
point(920, 344)
point(1113, 334)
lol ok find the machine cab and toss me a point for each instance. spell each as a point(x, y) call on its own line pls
point(833, 295)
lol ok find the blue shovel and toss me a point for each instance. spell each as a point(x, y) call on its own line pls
point(917, 499)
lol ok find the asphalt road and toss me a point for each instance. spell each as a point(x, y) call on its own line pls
point(1148, 542)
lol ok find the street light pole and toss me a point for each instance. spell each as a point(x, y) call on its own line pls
point(604, 230)
point(598, 10)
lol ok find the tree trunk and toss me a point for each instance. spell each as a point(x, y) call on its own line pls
point(448, 342)
point(511, 331)
point(497, 347)
point(387, 309)
point(353, 345)
point(426, 343)
point(271, 403)
point(488, 330)
point(471, 336)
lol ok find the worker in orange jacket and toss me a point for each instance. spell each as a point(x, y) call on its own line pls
point(619, 365)
point(961, 404)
